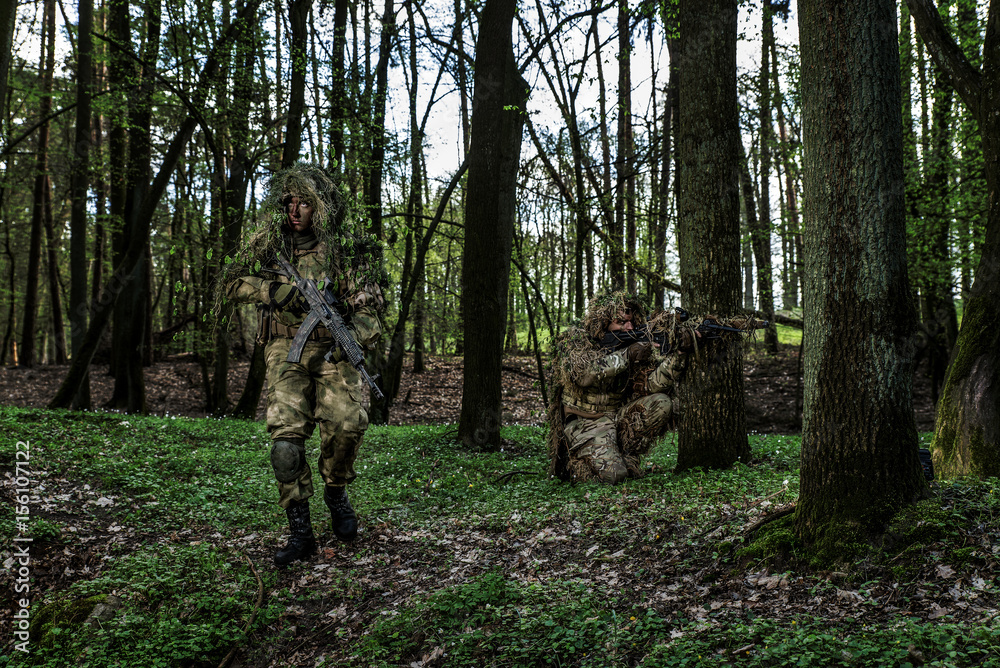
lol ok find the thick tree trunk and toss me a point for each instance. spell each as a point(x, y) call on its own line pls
point(131, 323)
point(967, 433)
point(859, 440)
point(498, 110)
point(712, 428)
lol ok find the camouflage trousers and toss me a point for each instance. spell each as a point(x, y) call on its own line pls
point(314, 391)
point(609, 447)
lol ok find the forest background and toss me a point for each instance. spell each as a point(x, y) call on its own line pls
point(145, 147)
point(843, 178)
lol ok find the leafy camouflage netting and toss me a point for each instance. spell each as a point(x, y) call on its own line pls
point(605, 307)
point(574, 350)
point(268, 232)
point(577, 348)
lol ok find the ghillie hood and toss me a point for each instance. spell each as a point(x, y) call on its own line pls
point(579, 345)
point(332, 225)
point(606, 305)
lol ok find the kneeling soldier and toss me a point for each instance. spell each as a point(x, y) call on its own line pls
point(613, 394)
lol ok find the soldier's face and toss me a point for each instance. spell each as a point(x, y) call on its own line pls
point(300, 215)
point(622, 322)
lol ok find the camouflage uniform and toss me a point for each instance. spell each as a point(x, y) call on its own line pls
point(314, 391)
point(302, 217)
point(605, 434)
point(600, 428)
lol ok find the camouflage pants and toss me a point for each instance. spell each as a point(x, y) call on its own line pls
point(609, 447)
point(314, 391)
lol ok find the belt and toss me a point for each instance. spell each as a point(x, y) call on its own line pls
point(285, 331)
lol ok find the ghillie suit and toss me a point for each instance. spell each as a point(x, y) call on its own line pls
point(316, 390)
point(347, 255)
point(599, 428)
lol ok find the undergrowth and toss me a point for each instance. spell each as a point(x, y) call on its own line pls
point(672, 540)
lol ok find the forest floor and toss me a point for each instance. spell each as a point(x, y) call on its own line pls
point(175, 387)
point(466, 559)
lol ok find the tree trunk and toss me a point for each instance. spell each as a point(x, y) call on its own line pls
point(760, 229)
point(235, 192)
point(859, 439)
point(8, 14)
point(463, 94)
point(339, 101)
point(52, 265)
point(498, 109)
point(932, 266)
point(967, 432)
point(416, 202)
point(970, 214)
point(47, 68)
point(510, 334)
point(298, 12)
point(9, 343)
point(378, 412)
point(80, 175)
point(463, 75)
point(624, 179)
point(793, 230)
point(712, 428)
point(131, 324)
point(749, 210)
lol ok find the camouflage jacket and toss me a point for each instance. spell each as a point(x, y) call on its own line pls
point(599, 388)
point(360, 304)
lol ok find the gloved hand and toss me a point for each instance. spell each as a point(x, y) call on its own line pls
point(638, 353)
point(287, 297)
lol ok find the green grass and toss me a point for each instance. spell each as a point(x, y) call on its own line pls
point(789, 336)
point(168, 617)
point(190, 490)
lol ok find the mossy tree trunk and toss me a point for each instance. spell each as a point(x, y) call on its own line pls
point(859, 438)
point(712, 429)
point(967, 434)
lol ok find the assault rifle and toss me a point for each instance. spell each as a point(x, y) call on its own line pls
point(708, 328)
point(323, 309)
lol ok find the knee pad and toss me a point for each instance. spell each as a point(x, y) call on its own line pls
point(288, 459)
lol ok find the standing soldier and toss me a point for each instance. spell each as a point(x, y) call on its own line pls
point(613, 399)
point(302, 218)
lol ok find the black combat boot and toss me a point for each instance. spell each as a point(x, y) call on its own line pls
point(345, 520)
point(301, 543)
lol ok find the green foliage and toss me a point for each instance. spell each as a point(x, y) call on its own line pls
point(556, 624)
point(163, 621)
point(187, 601)
point(789, 336)
point(806, 641)
point(195, 471)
